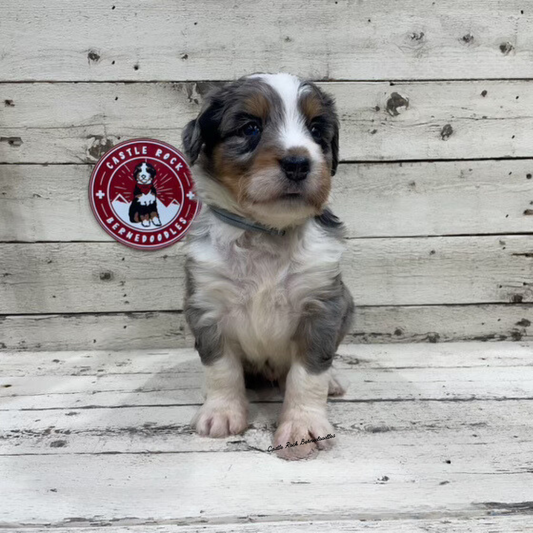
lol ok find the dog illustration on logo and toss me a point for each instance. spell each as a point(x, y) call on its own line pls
point(143, 208)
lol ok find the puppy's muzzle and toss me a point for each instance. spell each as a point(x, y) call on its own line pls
point(295, 167)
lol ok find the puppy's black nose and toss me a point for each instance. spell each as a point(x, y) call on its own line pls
point(296, 167)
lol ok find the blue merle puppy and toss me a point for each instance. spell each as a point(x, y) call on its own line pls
point(264, 293)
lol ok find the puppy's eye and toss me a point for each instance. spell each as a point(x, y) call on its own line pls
point(316, 132)
point(251, 129)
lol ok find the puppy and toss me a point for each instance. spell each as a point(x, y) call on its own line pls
point(143, 208)
point(264, 293)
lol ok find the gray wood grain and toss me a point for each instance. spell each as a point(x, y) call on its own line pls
point(107, 277)
point(204, 40)
point(78, 122)
point(157, 330)
point(50, 203)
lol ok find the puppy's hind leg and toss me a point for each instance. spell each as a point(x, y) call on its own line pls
point(336, 386)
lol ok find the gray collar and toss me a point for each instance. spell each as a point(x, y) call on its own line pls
point(243, 223)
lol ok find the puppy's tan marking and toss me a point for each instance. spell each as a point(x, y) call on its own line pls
point(229, 172)
point(310, 105)
point(320, 197)
point(257, 105)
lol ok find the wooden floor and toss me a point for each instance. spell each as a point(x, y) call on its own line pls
point(429, 438)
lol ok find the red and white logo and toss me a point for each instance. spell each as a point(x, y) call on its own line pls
point(141, 193)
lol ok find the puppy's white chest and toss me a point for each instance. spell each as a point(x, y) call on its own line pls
point(262, 317)
point(257, 288)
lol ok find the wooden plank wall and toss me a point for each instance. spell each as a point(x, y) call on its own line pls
point(435, 182)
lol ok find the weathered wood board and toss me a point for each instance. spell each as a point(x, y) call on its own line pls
point(204, 40)
point(156, 330)
point(496, 523)
point(427, 437)
point(50, 203)
point(78, 122)
point(113, 487)
point(105, 277)
point(91, 362)
point(179, 386)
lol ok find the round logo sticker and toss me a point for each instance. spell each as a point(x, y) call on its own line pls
point(141, 193)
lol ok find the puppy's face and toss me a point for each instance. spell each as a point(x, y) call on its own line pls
point(272, 142)
point(144, 173)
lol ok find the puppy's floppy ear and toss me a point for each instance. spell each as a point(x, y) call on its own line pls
point(191, 138)
point(204, 130)
point(335, 149)
point(328, 103)
point(332, 110)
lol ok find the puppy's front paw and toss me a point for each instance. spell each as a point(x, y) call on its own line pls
point(298, 427)
point(220, 418)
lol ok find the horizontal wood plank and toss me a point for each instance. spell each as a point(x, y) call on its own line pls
point(107, 277)
point(472, 524)
point(137, 431)
point(117, 331)
point(137, 361)
point(160, 330)
point(184, 388)
point(204, 40)
point(76, 123)
point(103, 488)
point(73, 382)
point(450, 430)
point(50, 203)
